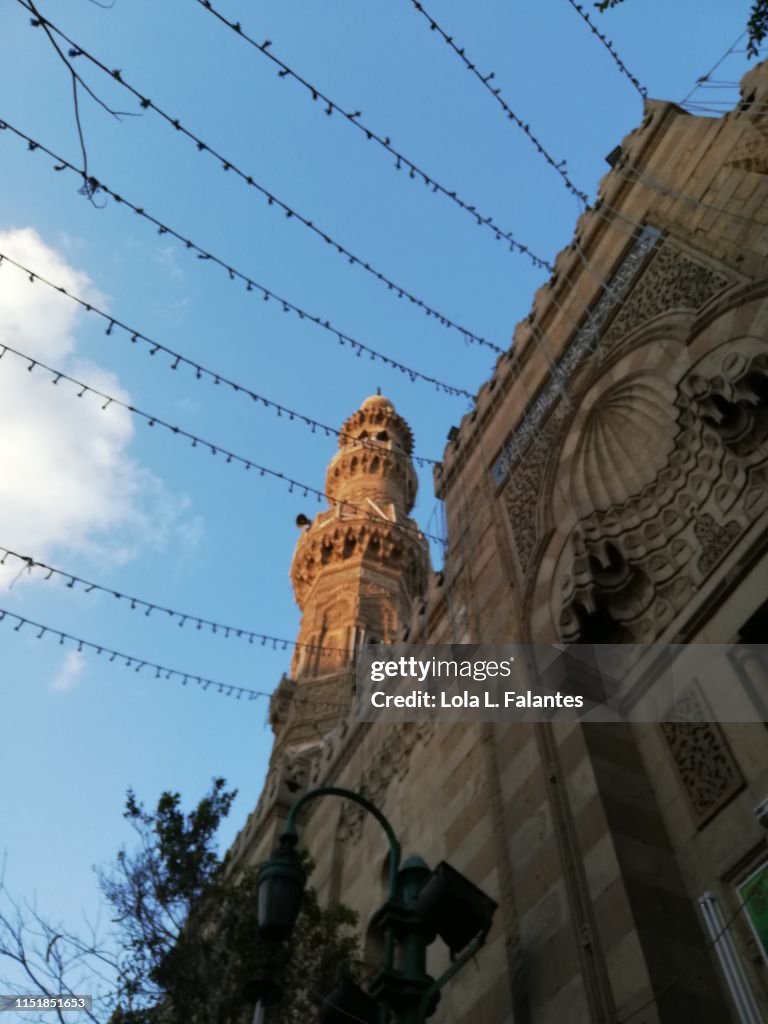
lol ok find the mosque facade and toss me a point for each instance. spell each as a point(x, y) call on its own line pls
point(610, 486)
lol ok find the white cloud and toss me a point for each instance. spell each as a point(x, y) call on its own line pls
point(67, 478)
point(69, 673)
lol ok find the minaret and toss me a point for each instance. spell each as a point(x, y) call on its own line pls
point(357, 568)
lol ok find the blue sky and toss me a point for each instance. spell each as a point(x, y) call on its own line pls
point(140, 511)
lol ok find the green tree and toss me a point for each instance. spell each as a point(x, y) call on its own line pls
point(184, 945)
point(757, 25)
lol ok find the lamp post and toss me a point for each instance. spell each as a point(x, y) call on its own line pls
point(421, 905)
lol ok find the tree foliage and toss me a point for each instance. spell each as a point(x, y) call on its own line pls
point(184, 944)
point(757, 25)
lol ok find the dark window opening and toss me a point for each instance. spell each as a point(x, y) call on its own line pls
point(755, 629)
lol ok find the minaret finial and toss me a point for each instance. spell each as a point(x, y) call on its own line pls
point(378, 391)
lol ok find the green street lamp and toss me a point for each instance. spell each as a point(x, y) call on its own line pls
point(280, 890)
point(421, 905)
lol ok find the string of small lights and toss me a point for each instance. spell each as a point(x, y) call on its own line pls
point(200, 371)
point(80, 644)
point(538, 339)
point(356, 346)
point(227, 164)
point(495, 91)
point(285, 71)
point(538, 335)
point(30, 565)
point(401, 162)
point(609, 47)
point(198, 442)
point(33, 145)
point(95, 186)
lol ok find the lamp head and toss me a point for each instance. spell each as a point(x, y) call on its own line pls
point(348, 1002)
point(455, 908)
point(279, 891)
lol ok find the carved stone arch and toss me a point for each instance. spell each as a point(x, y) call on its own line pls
point(537, 501)
point(626, 569)
point(646, 377)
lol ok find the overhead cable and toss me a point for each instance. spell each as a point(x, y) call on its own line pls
point(706, 77)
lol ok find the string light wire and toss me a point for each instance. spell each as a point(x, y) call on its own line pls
point(538, 336)
point(609, 47)
point(401, 162)
point(198, 622)
point(138, 664)
point(200, 371)
point(228, 164)
point(358, 347)
point(558, 165)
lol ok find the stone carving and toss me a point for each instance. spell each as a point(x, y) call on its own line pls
point(626, 439)
point(391, 762)
point(703, 760)
point(281, 702)
point(334, 540)
point(715, 541)
point(635, 563)
point(374, 459)
point(733, 400)
point(672, 280)
point(522, 492)
point(584, 341)
point(629, 434)
point(751, 154)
